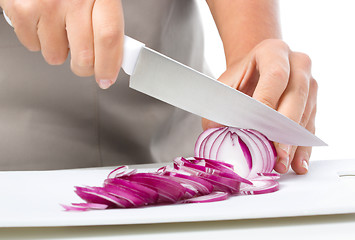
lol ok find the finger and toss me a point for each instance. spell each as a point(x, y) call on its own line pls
point(311, 102)
point(294, 99)
point(300, 161)
point(309, 113)
point(24, 19)
point(81, 37)
point(108, 30)
point(301, 158)
point(272, 60)
point(283, 158)
point(206, 124)
point(52, 34)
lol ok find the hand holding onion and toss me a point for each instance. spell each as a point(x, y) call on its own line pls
point(281, 79)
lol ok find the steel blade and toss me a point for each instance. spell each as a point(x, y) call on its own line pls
point(172, 82)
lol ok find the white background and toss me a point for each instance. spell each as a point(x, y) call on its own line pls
point(325, 30)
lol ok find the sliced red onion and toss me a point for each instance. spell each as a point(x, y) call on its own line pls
point(222, 183)
point(190, 191)
point(210, 141)
point(202, 137)
point(273, 176)
point(134, 199)
point(99, 195)
point(248, 151)
point(204, 141)
point(84, 206)
point(121, 171)
point(202, 186)
point(148, 194)
point(215, 162)
point(91, 205)
point(231, 152)
point(223, 171)
point(212, 197)
point(228, 161)
point(259, 187)
point(168, 190)
point(213, 169)
point(215, 145)
point(258, 159)
point(270, 149)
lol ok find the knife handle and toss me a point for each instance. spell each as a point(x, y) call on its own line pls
point(7, 18)
point(131, 50)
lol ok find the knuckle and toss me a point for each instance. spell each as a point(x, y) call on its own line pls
point(78, 3)
point(274, 43)
point(304, 119)
point(302, 86)
point(279, 72)
point(83, 64)
point(55, 59)
point(50, 5)
point(313, 85)
point(85, 59)
point(82, 72)
point(21, 9)
point(267, 101)
point(303, 93)
point(312, 128)
point(304, 59)
point(33, 47)
point(109, 37)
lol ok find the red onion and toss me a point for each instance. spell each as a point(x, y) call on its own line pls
point(84, 206)
point(248, 151)
point(259, 187)
point(212, 197)
point(228, 161)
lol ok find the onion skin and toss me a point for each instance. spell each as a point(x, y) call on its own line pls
point(228, 161)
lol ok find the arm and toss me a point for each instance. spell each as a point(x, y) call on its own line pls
point(244, 24)
point(261, 65)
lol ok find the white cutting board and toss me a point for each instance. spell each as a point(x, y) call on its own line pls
point(32, 199)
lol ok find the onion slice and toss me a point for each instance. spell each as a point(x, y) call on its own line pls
point(84, 206)
point(212, 197)
point(99, 195)
point(259, 187)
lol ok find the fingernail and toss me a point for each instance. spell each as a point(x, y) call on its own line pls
point(305, 164)
point(285, 148)
point(105, 83)
point(284, 162)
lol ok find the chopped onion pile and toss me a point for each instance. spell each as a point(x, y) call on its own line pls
point(229, 161)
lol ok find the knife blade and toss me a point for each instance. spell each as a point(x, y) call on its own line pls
point(165, 79)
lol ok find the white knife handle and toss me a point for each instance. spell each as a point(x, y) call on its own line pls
point(131, 50)
point(7, 18)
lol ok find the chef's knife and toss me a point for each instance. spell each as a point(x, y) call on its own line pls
point(181, 86)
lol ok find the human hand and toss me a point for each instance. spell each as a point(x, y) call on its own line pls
point(281, 79)
point(94, 30)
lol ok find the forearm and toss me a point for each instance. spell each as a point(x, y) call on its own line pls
point(242, 24)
